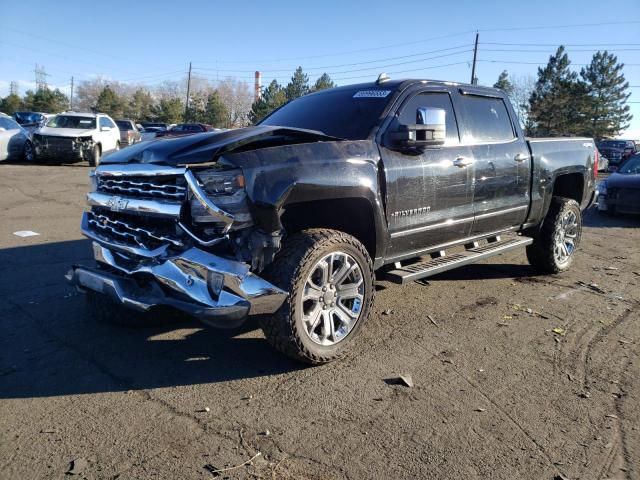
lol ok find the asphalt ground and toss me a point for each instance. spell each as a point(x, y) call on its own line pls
point(497, 393)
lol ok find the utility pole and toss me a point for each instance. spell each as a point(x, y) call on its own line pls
point(13, 88)
point(474, 80)
point(71, 96)
point(186, 107)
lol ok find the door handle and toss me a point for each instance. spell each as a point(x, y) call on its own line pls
point(462, 162)
point(521, 157)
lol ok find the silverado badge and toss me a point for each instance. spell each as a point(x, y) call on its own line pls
point(116, 204)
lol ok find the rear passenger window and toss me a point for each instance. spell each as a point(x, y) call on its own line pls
point(408, 112)
point(486, 119)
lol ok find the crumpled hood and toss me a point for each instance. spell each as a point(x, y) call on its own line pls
point(65, 132)
point(206, 147)
point(623, 180)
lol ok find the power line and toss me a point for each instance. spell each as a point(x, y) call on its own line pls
point(590, 50)
point(544, 63)
point(345, 64)
point(564, 44)
point(551, 27)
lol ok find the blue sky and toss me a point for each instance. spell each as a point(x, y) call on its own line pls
point(150, 41)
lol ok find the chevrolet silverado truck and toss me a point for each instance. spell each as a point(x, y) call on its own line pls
point(288, 220)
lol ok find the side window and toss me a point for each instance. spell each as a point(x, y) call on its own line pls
point(486, 119)
point(105, 122)
point(407, 114)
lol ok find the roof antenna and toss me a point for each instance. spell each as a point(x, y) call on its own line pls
point(382, 78)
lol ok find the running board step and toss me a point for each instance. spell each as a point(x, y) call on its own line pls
point(416, 271)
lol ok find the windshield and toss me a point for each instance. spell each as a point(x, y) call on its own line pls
point(612, 144)
point(631, 166)
point(68, 121)
point(348, 113)
point(124, 125)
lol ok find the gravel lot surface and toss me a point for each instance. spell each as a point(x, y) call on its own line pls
point(497, 394)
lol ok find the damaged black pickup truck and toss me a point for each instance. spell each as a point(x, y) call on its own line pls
point(288, 220)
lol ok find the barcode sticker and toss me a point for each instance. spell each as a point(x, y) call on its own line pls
point(372, 93)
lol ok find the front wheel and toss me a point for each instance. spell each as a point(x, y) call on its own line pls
point(27, 152)
point(329, 277)
point(94, 156)
point(554, 248)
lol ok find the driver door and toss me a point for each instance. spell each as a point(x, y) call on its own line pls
point(429, 194)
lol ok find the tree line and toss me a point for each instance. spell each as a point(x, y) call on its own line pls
point(225, 104)
point(562, 102)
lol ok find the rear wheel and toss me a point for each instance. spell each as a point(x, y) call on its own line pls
point(329, 277)
point(554, 248)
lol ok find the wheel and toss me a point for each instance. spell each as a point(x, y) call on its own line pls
point(329, 277)
point(553, 250)
point(28, 155)
point(94, 159)
point(101, 309)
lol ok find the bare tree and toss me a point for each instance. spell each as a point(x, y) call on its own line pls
point(519, 96)
point(237, 97)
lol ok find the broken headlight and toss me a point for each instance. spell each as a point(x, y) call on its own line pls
point(225, 188)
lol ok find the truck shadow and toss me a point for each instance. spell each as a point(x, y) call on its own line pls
point(50, 347)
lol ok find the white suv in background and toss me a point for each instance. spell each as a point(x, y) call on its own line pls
point(77, 136)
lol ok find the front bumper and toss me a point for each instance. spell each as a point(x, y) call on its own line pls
point(215, 290)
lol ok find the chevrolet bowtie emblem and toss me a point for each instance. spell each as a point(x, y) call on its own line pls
point(116, 204)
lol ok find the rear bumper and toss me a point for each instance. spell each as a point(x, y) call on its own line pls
point(607, 203)
point(215, 290)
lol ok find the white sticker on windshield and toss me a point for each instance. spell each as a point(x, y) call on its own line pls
point(372, 93)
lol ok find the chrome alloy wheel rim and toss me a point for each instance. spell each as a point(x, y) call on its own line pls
point(332, 298)
point(566, 234)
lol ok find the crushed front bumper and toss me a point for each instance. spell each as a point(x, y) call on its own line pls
point(215, 290)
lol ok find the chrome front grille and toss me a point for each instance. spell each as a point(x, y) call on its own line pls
point(132, 230)
point(167, 187)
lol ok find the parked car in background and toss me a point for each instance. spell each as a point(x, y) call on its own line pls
point(149, 133)
point(603, 163)
point(77, 136)
point(160, 125)
point(617, 151)
point(620, 191)
point(14, 140)
point(31, 121)
point(129, 133)
point(186, 129)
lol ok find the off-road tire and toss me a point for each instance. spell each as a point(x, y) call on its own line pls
point(541, 252)
point(284, 329)
point(100, 308)
point(94, 158)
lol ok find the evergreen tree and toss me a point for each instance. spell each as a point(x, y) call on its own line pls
point(504, 84)
point(298, 86)
point(140, 106)
point(111, 103)
point(169, 110)
point(216, 112)
point(273, 96)
point(607, 114)
point(10, 104)
point(556, 103)
point(46, 100)
point(323, 82)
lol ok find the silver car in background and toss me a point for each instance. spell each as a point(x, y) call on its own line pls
point(14, 140)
